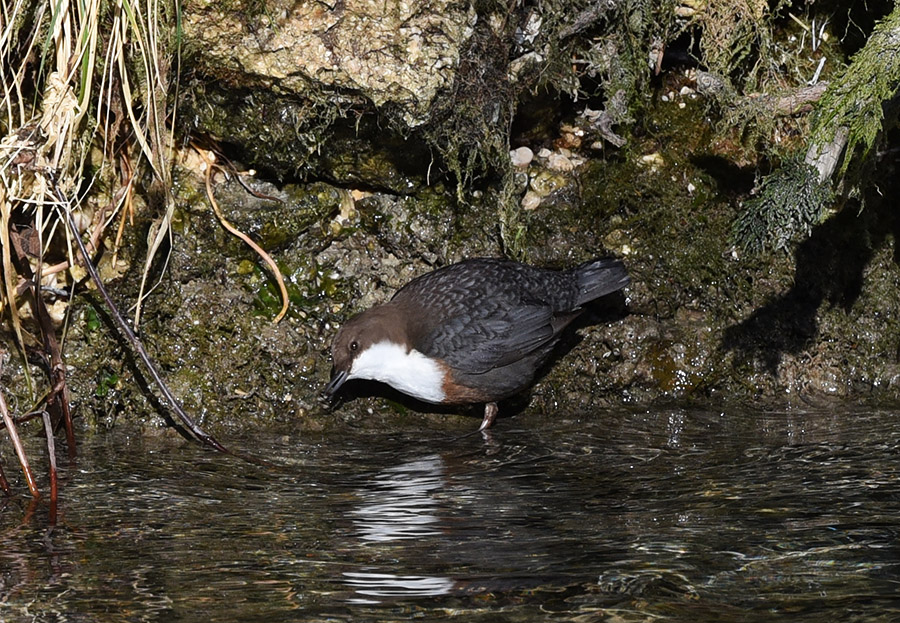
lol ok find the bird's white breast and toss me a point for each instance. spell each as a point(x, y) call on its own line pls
point(410, 372)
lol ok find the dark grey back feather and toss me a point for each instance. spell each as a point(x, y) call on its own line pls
point(484, 314)
point(599, 278)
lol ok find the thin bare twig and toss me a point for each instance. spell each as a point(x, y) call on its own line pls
point(58, 397)
point(51, 453)
point(133, 339)
point(20, 450)
point(4, 483)
point(235, 231)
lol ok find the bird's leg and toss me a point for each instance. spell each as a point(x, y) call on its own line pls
point(490, 414)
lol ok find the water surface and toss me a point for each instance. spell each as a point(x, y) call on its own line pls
point(618, 516)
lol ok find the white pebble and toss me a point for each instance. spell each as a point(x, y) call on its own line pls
point(559, 162)
point(531, 200)
point(521, 156)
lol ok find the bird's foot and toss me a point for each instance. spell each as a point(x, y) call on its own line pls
point(490, 414)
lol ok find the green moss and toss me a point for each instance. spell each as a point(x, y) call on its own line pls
point(289, 137)
point(308, 287)
point(304, 206)
point(856, 100)
point(667, 194)
point(278, 134)
point(367, 154)
point(106, 384)
point(91, 320)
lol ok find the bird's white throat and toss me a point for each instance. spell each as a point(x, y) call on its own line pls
point(410, 372)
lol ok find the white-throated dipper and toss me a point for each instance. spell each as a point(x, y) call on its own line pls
point(472, 332)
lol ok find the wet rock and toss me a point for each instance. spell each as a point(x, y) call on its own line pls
point(531, 200)
point(544, 182)
point(397, 53)
point(560, 162)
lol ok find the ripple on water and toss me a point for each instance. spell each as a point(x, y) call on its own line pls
point(618, 516)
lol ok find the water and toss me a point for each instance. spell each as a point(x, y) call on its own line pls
point(622, 516)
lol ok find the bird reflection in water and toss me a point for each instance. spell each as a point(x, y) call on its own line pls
point(399, 504)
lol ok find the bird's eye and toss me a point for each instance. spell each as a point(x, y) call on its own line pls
point(354, 346)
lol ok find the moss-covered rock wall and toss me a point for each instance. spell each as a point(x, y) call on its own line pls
point(548, 133)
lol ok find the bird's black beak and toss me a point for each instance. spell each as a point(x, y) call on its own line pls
point(337, 379)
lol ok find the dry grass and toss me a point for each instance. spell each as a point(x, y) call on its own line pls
point(84, 103)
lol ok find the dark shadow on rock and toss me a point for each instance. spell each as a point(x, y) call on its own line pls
point(730, 178)
point(360, 388)
point(605, 310)
point(829, 270)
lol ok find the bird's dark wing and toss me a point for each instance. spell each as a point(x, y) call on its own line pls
point(478, 342)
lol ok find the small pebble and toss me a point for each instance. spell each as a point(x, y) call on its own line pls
point(521, 156)
point(653, 160)
point(559, 162)
point(531, 200)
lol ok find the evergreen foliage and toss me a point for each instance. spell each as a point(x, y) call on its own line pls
point(789, 202)
point(856, 100)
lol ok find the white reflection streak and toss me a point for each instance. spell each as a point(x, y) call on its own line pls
point(675, 426)
point(390, 585)
point(400, 504)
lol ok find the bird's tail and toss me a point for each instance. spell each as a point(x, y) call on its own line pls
point(600, 277)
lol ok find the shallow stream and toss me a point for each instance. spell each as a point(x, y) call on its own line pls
point(621, 516)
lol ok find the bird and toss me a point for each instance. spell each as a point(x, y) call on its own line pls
point(472, 332)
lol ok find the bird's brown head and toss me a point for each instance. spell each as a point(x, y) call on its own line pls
point(375, 325)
